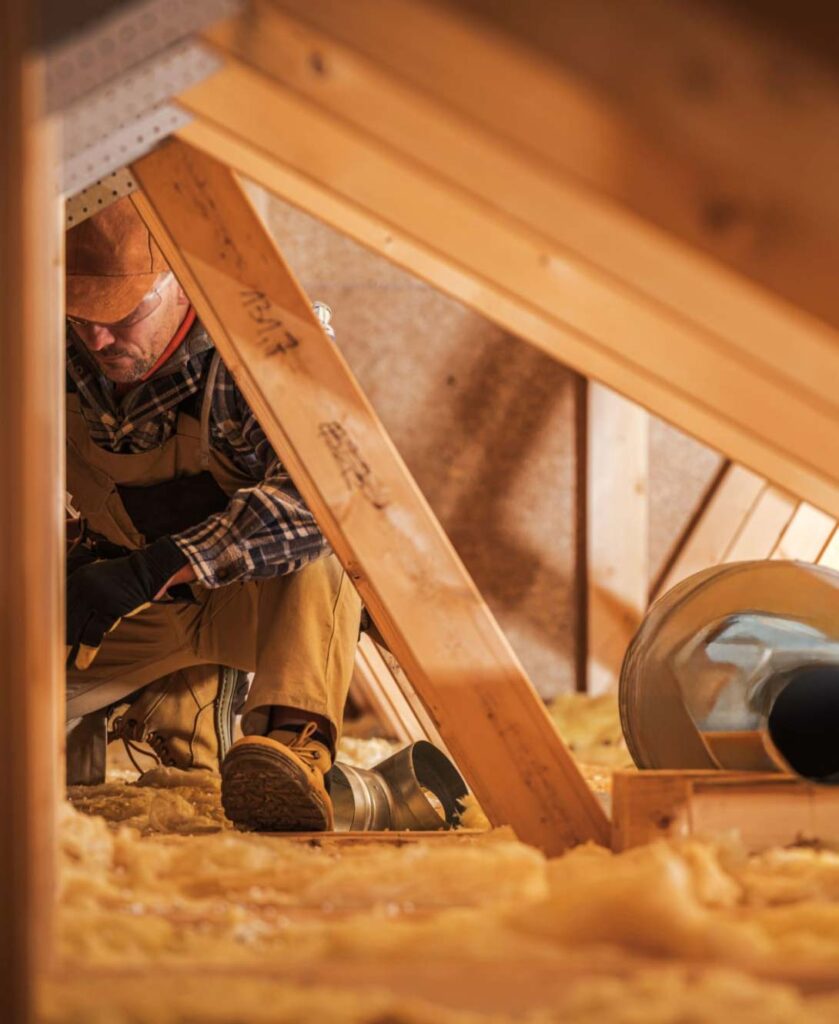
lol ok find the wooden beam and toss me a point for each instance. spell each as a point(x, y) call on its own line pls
point(806, 535)
point(382, 695)
point(716, 530)
point(409, 694)
point(566, 271)
point(745, 518)
point(349, 473)
point(722, 91)
point(682, 113)
point(31, 585)
point(830, 556)
point(765, 809)
point(761, 530)
point(617, 531)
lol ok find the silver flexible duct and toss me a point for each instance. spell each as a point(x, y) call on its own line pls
point(737, 667)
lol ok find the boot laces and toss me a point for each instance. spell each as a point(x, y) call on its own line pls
point(132, 734)
point(311, 753)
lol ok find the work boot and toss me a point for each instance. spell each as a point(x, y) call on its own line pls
point(276, 783)
point(185, 719)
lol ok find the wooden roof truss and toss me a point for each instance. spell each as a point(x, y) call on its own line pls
point(572, 199)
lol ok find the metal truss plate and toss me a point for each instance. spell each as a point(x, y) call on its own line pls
point(122, 39)
point(112, 107)
point(99, 195)
point(121, 147)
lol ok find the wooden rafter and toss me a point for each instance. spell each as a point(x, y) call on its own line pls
point(830, 556)
point(346, 468)
point(379, 687)
point(617, 531)
point(806, 535)
point(747, 518)
point(764, 525)
point(31, 438)
point(407, 169)
point(570, 153)
point(697, 114)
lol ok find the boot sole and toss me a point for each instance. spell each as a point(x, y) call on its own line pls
point(265, 789)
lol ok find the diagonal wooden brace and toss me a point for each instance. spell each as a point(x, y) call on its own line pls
point(366, 502)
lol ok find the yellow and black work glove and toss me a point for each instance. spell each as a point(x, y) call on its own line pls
point(102, 593)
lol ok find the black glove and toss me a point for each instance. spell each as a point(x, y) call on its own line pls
point(80, 556)
point(101, 594)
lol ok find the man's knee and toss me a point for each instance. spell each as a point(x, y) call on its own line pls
point(319, 584)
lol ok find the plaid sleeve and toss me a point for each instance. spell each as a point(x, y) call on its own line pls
point(265, 530)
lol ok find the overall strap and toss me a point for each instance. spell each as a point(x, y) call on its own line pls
point(206, 409)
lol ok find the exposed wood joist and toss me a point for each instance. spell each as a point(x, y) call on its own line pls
point(408, 170)
point(763, 527)
point(378, 686)
point(726, 116)
point(617, 531)
point(31, 585)
point(716, 529)
point(409, 695)
point(806, 535)
point(328, 436)
point(830, 556)
point(746, 518)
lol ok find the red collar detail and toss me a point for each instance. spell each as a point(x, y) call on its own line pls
point(174, 344)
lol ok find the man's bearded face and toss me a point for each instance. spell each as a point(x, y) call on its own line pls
point(125, 351)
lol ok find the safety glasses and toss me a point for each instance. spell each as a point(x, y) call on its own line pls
point(148, 304)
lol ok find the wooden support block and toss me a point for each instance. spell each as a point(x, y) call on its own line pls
point(378, 523)
point(406, 169)
point(765, 809)
point(617, 531)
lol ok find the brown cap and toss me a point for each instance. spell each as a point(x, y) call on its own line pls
point(112, 262)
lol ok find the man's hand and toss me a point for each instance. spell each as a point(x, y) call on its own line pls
point(101, 594)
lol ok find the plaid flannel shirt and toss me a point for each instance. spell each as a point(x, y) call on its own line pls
point(265, 530)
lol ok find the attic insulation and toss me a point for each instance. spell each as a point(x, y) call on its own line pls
point(476, 927)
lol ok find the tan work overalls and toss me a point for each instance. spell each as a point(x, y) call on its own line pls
point(297, 632)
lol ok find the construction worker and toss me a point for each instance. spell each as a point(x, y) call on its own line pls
point(198, 550)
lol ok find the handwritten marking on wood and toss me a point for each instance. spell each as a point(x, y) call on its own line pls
point(271, 330)
point(356, 471)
